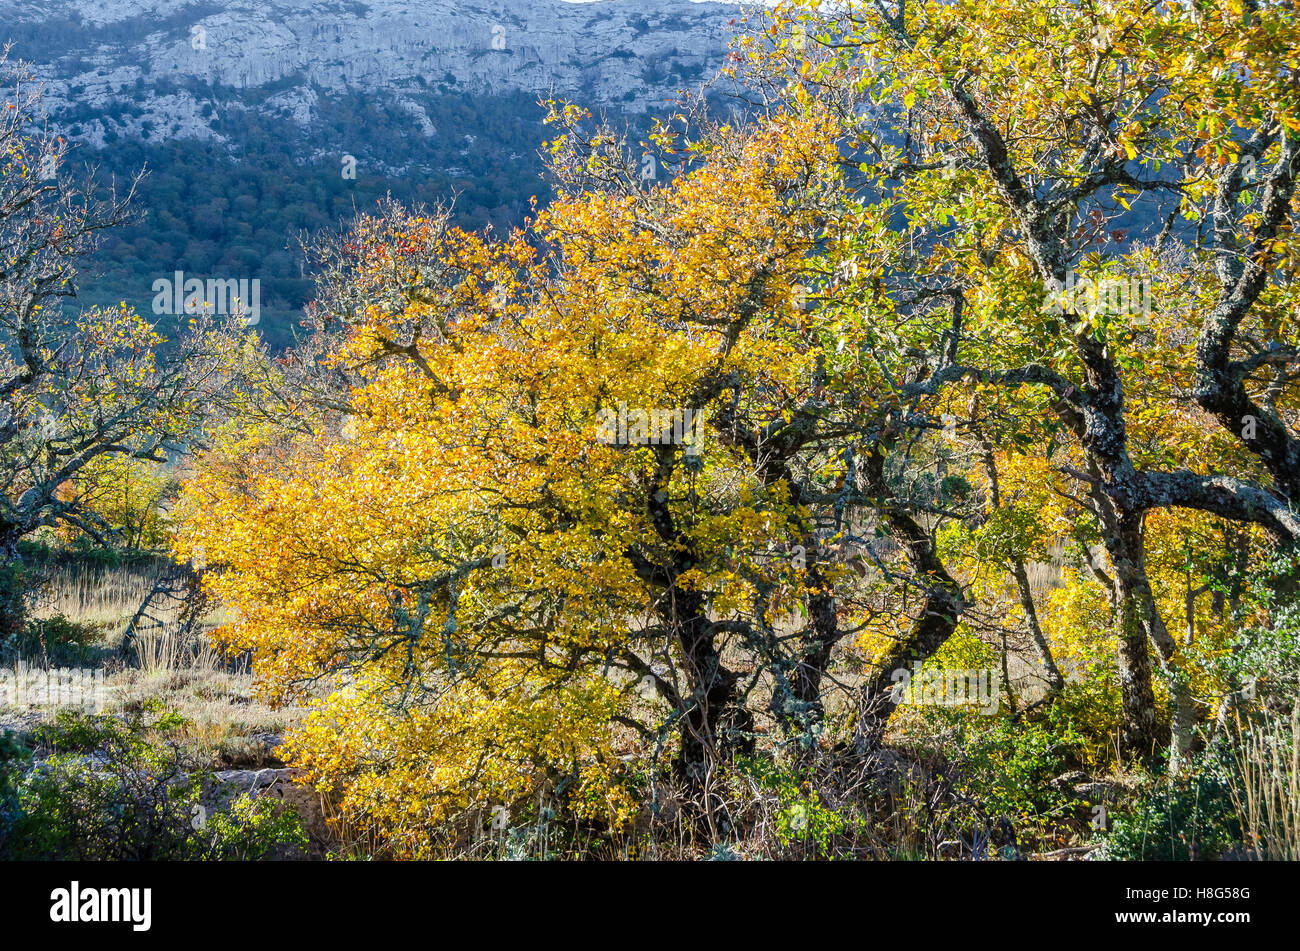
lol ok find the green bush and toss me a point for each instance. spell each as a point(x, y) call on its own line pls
point(122, 790)
point(1175, 819)
point(56, 642)
point(1007, 768)
point(1265, 659)
point(13, 603)
point(804, 824)
point(71, 732)
point(13, 759)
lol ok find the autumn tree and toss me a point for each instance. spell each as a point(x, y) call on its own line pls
point(689, 468)
point(75, 388)
point(574, 491)
point(1087, 187)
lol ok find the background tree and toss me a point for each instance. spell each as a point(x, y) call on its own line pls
point(74, 387)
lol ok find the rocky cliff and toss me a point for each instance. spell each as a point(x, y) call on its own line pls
point(179, 66)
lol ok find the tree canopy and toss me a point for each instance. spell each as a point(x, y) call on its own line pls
point(686, 472)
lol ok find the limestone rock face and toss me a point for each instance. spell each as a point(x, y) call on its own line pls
point(168, 68)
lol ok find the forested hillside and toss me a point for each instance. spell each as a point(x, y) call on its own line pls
point(247, 125)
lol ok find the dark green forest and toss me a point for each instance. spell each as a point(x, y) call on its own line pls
point(237, 209)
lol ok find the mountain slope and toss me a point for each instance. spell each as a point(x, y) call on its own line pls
point(187, 65)
point(261, 119)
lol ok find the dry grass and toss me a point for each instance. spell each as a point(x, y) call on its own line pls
point(95, 594)
point(1268, 804)
point(184, 670)
point(164, 649)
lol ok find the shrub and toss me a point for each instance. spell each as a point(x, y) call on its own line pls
point(1007, 769)
point(122, 790)
point(804, 823)
point(13, 759)
point(57, 641)
point(71, 732)
point(13, 604)
point(1190, 816)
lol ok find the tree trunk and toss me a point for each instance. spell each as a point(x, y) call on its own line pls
point(941, 611)
point(1140, 624)
point(803, 721)
point(714, 726)
point(1139, 731)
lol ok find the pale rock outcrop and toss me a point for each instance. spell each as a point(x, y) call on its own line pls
point(176, 72)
